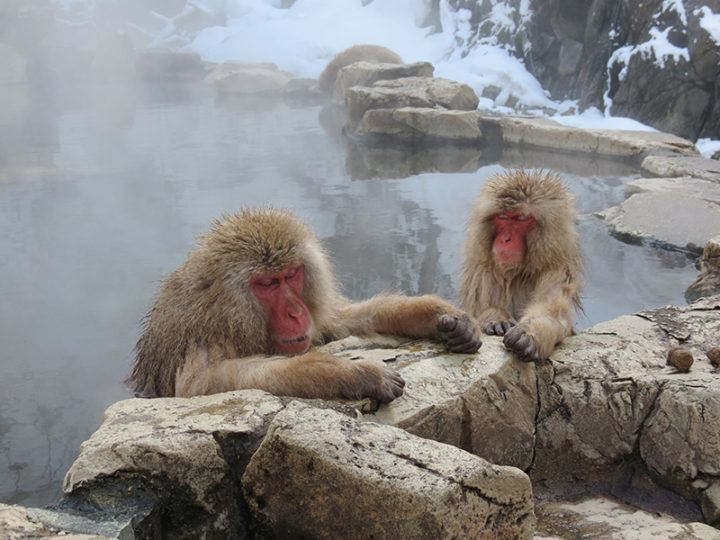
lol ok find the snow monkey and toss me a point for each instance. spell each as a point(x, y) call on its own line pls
point(522, 267)
point(245, 307)
point(357, 53)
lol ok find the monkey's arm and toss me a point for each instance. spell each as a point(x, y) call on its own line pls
point(487, 300)
point(547, 320)
point(427, 316)
point(311, 375)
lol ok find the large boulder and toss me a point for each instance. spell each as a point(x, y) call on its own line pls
point(428, 92)
point(368, 73)
point(319, 474)
point(694, 205)
point(666, 166)
point(546, 134)
point(484, 403)
point(608, 397)
point(415, 125)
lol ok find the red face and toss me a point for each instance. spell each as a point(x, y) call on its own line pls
point(290, 320)
point(510, 231)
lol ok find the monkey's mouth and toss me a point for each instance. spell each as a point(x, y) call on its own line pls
point(296, 345)
point(292, 341)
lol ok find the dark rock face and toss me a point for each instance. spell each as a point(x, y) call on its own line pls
point(602, 52)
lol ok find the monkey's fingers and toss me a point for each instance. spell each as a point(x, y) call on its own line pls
point(447, 324)
point(522, 344)
point(499, 328)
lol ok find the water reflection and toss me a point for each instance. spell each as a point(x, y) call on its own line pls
point(102, 193)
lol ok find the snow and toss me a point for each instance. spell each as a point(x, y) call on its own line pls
point(593, 118)
point(304, 37)
point(707, 147)
point(710, 22)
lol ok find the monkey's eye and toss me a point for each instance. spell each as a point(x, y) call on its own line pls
point(523, 217)
point(268, 282)
point(503, 216)
point(291, 274)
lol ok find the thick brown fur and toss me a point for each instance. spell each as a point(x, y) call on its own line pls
point(357, 53)
point(208, 333)
point(534, 304)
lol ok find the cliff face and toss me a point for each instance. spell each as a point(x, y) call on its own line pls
point(657, 61)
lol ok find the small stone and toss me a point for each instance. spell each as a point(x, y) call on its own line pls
point(680, 358)
point(714, 356)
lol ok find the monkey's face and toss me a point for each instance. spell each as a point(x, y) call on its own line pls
point(509, 242)
point(289, 318)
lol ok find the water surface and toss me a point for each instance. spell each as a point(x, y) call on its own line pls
point(102, 192)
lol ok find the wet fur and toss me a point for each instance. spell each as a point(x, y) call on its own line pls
point(207, 333)
point(543, 293)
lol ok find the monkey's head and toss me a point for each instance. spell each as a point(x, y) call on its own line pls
point(524, 219)
point(272, 267)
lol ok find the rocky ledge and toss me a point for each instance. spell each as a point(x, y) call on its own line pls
point(606, 416)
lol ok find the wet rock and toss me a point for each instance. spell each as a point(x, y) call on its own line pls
point(607, 397)
point(708, 282)
point(319, 474)
point(603, 517)
point(412, 124)
point(368, 73)
point(180, 453)
point(698, 167)
point(425, 92)
point(484, 403)
point(549, 135)
point(247, 78)
point(16, 524)
point(643, 218)
point(714, 356)
point(169, 65)
point(680, 358)
point(13, 70)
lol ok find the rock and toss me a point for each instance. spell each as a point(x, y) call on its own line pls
point(238, 78)
point(16, 524)
point(357, 53)
point(549, 135)
point(708, 282)
point(13, 70)
point(368, 73)
point(682, 186)
point(643, 218)
point(603, 517)
point(698, 167)
point(569, 57)
point(409, 92)
point(180, 453)
point(412, 124)
point(169, 65)
point(680, 358)
point(484, 403)
point(607, 396)
point(714, 356)
point(319, 474)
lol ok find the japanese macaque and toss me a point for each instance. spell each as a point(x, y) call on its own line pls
point(357, 53)
point(246, 306)
point(522, 268)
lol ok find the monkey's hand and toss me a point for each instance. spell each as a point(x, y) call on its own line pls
point(459, 334)
point(523, 344)
point(498, 328)
point(372, 379)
